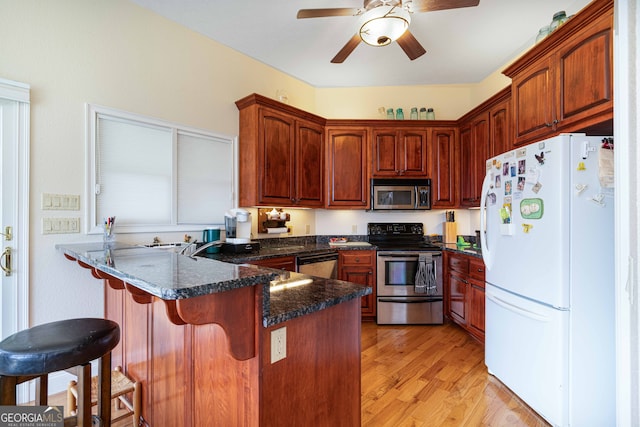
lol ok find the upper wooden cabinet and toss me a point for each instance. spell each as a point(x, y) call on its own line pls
point(443, 167)
point(565, 83)
point(347, 172)
point(398, 152)
point(474, 151)
point(500, 135)
point(281, 155)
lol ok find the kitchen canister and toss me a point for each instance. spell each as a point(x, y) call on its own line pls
point(211, 234)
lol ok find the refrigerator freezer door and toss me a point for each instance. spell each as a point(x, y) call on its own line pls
point(526, 348)
point(527, 221)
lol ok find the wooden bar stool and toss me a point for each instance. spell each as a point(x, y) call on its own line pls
point(36, 352)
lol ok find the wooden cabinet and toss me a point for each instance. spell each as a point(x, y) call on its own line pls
point(281, 155)
point(565, 83)
point(347, 172)
point(443, 167)
point(464, 292)
point(500, 134)
point(474, 151)
point(359, 266)
point(398, 152)
point(283, 263)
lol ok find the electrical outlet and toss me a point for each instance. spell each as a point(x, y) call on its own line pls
point(307, 229)
point(278, 344)
point(354, 229)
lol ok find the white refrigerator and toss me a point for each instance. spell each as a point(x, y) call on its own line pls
point(547, 242)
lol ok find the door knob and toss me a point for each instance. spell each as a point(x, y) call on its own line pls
point(6, 256)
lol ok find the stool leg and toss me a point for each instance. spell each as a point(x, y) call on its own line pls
point(84, 395)
point(104, 389)
point(42, 390)
point(8, 390)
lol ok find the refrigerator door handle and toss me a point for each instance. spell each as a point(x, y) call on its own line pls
point(515, 309)
point(486, 252)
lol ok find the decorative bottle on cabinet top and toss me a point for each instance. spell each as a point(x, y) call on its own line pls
point(430, 114)
point(399, 114)
point(414, 113)
point(390, 115)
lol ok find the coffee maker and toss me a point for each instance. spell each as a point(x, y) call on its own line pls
point(237, 226)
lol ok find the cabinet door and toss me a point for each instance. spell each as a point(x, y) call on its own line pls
point(457, 298)
point(584, 75)
point(384, 153)
point(276, 153)
point(347, 173)
point(475, 151)
point(500, 137)
point(476, 310)
point(412, 153)
point(363, 276)
point(443, 173)
point(309, 165)
point(532, 94)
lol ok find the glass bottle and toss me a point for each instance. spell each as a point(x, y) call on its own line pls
point(544, 32)
point(390, 114)
point(430, 114)
point(399, 114)
point(423, 113)
point(414, 113)
point(558, 19)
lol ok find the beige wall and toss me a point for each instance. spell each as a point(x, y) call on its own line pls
point(116, 54)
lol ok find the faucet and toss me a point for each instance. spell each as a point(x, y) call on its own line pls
point(199, 249)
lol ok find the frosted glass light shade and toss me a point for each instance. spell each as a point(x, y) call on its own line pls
point(383, 25)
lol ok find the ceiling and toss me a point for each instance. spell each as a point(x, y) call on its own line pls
point(463, 45)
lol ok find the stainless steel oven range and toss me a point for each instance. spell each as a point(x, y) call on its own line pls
point(409, 275)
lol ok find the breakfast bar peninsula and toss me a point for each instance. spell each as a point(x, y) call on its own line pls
point(197, 334)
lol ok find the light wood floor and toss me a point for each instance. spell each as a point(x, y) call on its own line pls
point(433, 376)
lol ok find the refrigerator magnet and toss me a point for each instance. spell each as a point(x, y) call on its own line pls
point(521, 181)
point(540, 157)
point(522, 167)
point(521, 152)
point(536, 187)
point(505, 168)
point(532, 175)
point(507, 187)
point(581, 166)
point(513, 169)
point(498, 180)
point(531, 208)
point(526, 228)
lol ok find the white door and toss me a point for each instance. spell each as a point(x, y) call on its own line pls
point(14, 211)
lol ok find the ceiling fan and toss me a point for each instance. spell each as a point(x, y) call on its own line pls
point(384, 21)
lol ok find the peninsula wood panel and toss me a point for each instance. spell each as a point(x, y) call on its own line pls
point(323, 360)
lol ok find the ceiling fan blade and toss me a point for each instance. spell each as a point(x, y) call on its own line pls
point(411, 45)
point(347, 49)
point(321, 13)
point(431, 5)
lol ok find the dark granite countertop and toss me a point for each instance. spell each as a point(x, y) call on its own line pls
point(452, 247)
point(168, 275)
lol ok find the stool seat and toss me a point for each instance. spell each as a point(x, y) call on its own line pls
point(56, 346)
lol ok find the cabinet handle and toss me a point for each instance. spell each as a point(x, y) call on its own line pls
point(7, 261)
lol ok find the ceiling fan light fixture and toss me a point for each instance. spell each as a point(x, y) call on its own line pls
point(384, 24)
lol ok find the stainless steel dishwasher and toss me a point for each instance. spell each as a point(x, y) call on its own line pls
point(324, 264)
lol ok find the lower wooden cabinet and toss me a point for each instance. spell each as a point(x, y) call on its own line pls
point(359, 266)
point(464, 292)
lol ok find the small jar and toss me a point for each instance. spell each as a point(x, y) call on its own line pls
point(544, 32)
point(390, 115)
point(399, 114)
point(423, 113)
point(430, 114)
point(559, 18)
point(414, 113)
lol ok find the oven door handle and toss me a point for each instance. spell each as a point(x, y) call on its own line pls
point(410, 301)
point(408, 256)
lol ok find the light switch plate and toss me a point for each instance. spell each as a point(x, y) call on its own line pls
point(278, 344)
point(65, 202)
point(60, 225)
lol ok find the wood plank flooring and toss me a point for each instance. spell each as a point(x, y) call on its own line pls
point(433, 376)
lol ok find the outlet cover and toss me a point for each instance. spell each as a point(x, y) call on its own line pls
point(278, 344)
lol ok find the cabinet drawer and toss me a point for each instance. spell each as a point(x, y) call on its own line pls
point(476, 269)
point(458, 263)
point(358, 257)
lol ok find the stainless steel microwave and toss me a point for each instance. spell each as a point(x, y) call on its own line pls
point(400, 194)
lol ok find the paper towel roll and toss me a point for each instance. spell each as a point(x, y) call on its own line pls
point(277, 230)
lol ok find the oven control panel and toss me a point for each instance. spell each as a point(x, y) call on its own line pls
point(394, 229)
